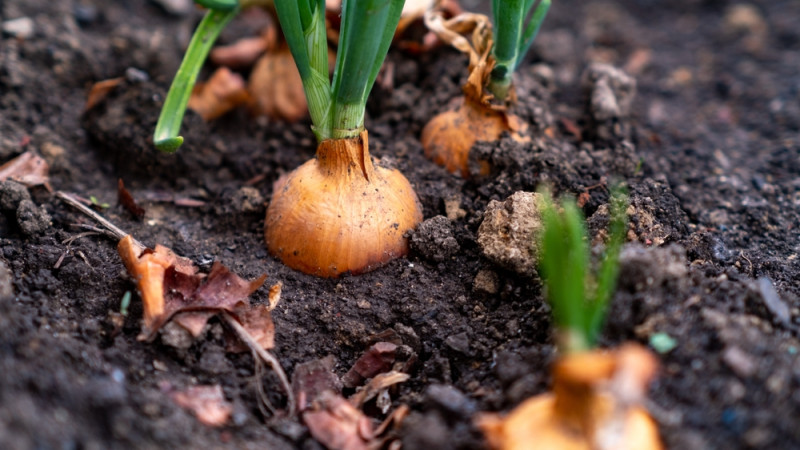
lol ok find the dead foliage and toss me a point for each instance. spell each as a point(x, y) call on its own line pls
point(28, 169)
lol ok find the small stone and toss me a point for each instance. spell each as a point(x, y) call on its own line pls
point(135, 75)
point(458, 342)
point(773, 301)
point(175, 7)
point(739, 361)
point(33, 220)
point(85, 14)
point(176, 336)
point(6, 281)
point(487, 282)
point(247, 200)
point(507, 236)
point(11, 194)
point(21, 28)
point(449, 400)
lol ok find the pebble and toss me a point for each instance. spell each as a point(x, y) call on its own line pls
point(458, 342)
point(6, 280)
point(449, 400)
point(21, 28)
point(33, 220)
point(773, 301)
point(739, 361)
point(11, 194)
point(508, 233)
point(175, 7)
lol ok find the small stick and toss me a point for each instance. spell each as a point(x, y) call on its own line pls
point(72, 201)
point(266, 356)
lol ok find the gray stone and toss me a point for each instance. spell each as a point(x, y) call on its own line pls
point(508, 234)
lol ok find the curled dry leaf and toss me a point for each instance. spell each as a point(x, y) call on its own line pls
point(276, 87)
point(595, 404)
point(170, 284)
point(125, 198)
point(377, 359)
point(206, 402)
point(376, 385)
point(100, 91)
point(224, 91)
point(29, 169)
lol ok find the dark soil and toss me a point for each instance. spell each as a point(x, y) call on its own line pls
point(710, 150)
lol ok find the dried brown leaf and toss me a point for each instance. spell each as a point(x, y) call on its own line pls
point(125, 198)
point(206, 402)
point(100, 91)
point(29, 169)
point(377, 359)
point(276, 87)
point(377, 384)
point(224, 91)
point(337, 424)
point(170, 284)
point(312, 378)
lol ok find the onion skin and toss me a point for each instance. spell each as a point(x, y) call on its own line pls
point(448, 137)
point(339, 213)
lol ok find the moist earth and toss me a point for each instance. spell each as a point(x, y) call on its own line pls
point(694, 104)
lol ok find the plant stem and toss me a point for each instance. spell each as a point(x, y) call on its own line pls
point(166, 137)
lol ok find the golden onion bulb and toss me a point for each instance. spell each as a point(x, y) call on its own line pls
point(340, 213)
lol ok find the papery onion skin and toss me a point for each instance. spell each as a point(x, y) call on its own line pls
point(339, 213)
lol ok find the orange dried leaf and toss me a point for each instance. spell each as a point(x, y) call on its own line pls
point(595, 404)
point(224, 91)
point(276, 87)
point(170, 284)
point(206, 402)
point(100, 91)
point(29, 169)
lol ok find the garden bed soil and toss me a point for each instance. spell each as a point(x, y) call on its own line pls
point(710, 151)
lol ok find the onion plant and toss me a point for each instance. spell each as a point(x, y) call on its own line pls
point(338, 212)
point(579, 298)
point(494, 54)
point(513, 36)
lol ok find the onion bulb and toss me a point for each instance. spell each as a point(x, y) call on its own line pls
point(595, 404)
point(340, 213)
point(449, 136)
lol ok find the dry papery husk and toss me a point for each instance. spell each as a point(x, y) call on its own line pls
point(340, 213)
point(595, 405)
point(224, 91)
point(449, 136)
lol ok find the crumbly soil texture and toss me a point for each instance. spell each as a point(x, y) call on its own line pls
point(695, 104)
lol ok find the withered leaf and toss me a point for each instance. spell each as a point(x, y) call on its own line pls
point(277, 88)
point(224, 91)
point(29, 169)
point(170, 284)
point(337, 424)
point(377, 359)
point(100, 91)
point(311, 379)
point(206, 402)
point(126, 199)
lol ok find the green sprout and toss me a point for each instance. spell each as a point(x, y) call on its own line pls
point(337, 107)
point(579, 299)
point(166, 137)
point(513, 38)
point(95, 202)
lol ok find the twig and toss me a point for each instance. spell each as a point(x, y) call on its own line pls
point(72, 201)
point(266, 356)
